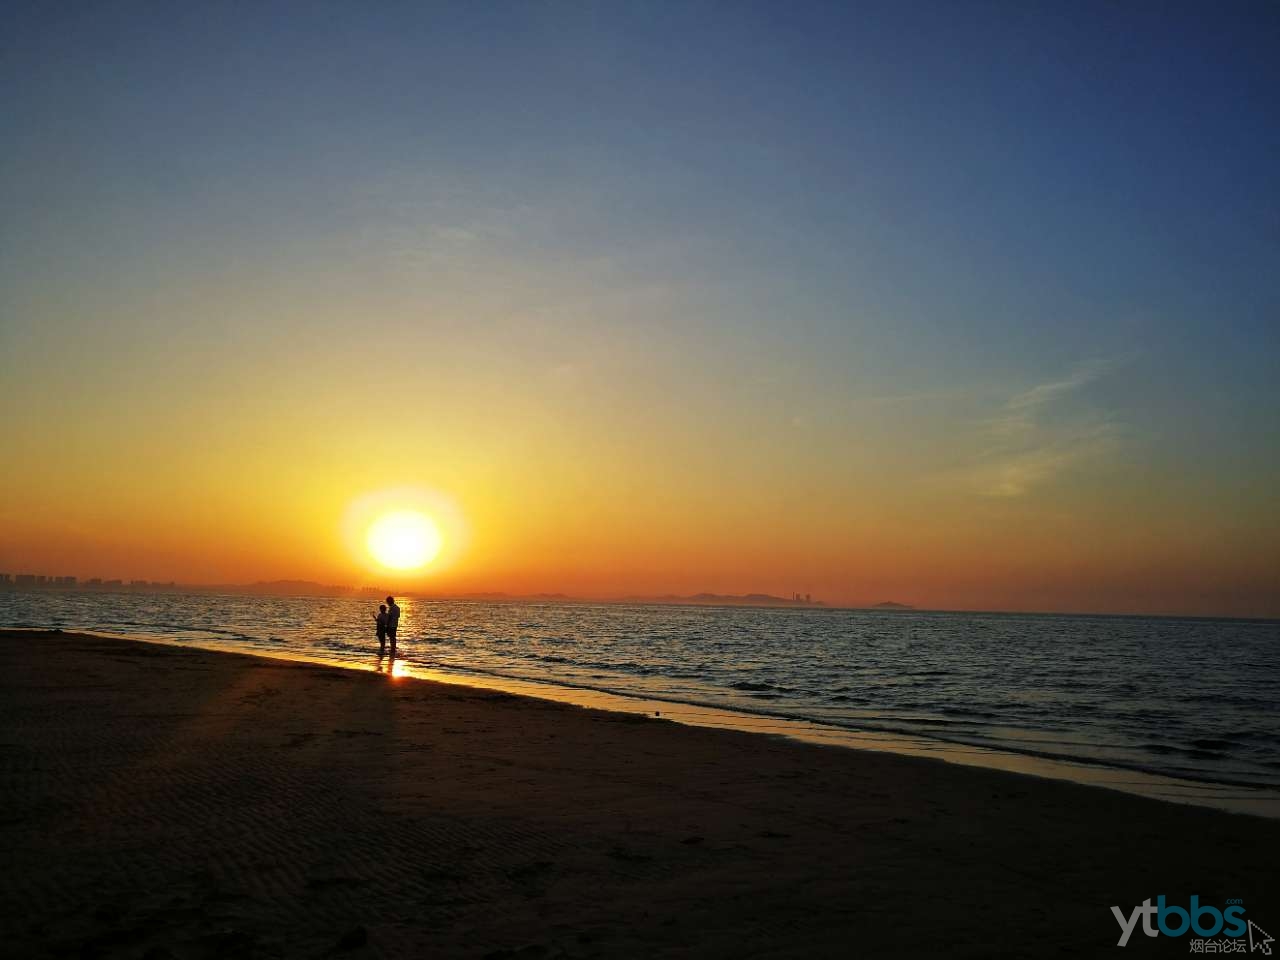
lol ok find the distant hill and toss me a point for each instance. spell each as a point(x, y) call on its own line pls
point(890, 605)
point(311, 588)
point(727, 600)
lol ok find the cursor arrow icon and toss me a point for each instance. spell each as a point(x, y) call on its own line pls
point(1263, 941)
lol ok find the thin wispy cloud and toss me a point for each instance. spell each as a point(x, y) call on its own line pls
point(1033, 438)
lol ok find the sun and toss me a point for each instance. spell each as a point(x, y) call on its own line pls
point(406, 531)
point(404, 540)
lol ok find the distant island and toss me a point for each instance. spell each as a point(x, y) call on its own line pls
point(730, 600)
point(310, 588)
point(890, 605)
point(273, 588)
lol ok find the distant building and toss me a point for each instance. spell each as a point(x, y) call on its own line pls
point(112, 583)
point(93, 582)
point(808, 598)
point(25, 580)
point(138, 583)
point(5, 581)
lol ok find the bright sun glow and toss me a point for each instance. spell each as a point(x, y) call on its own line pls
point(404, 540)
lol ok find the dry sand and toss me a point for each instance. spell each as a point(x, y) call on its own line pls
point(161, 801)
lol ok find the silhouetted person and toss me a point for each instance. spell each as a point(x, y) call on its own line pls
point(393, 623)
point(381, 621)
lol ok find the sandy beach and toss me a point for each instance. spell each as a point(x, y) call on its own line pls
point(169, 802)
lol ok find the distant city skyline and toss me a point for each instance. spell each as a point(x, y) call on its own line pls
point(312, 588)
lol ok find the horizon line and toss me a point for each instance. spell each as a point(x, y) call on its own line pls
point(702, 598)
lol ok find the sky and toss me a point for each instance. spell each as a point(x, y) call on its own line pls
point(970, 306)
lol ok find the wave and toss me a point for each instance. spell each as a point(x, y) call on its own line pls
point(749, 687)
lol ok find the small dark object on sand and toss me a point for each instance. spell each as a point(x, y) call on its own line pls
point(353, 939)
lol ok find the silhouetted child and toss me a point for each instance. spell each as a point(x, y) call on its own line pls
point(381, 621)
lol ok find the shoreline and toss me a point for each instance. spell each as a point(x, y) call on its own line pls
point(169, 801)
point(1213, 794)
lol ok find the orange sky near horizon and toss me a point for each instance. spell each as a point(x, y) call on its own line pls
point(551, 508)
point(612, 469)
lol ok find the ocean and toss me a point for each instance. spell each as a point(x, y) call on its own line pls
point(1192, 699)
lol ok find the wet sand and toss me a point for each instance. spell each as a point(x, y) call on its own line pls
point(168, 802)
